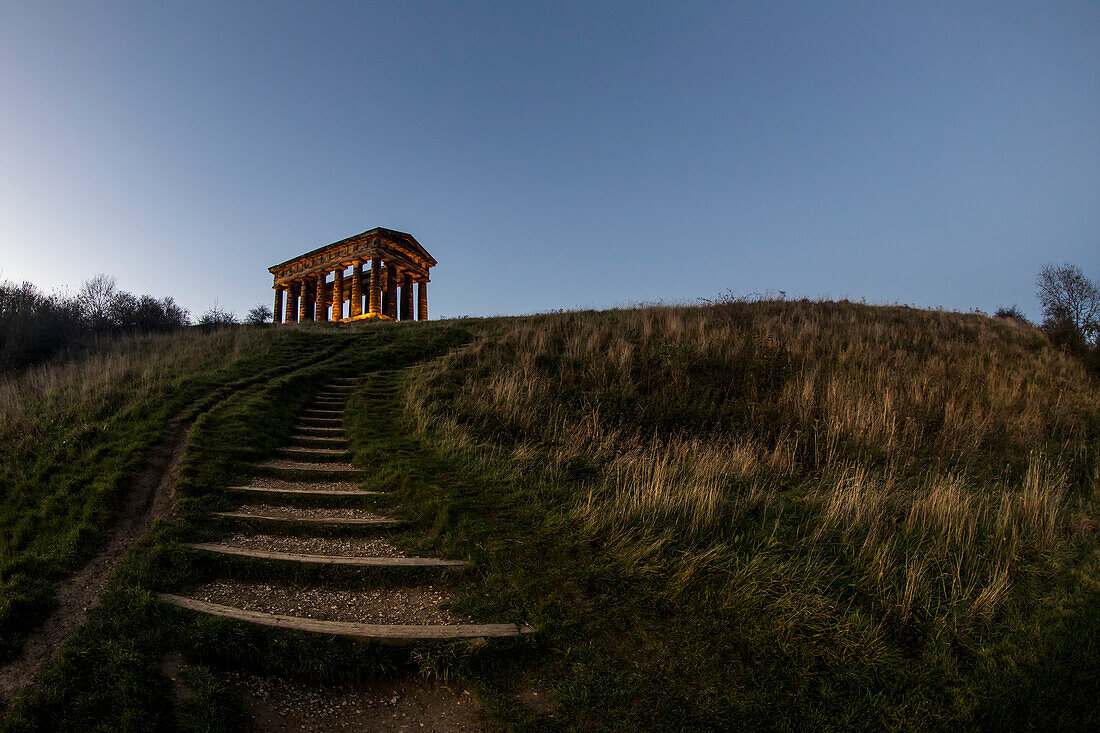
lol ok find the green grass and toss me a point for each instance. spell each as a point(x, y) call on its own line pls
point(107, 676)
point(777, 516)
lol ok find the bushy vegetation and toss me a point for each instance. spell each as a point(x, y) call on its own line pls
point(810, 513)
point(35, 326)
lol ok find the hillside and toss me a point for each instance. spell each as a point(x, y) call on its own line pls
point(794, 514)
point(739, 516)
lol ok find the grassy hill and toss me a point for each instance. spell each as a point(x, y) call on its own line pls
point(72, 431)
point(741, 516)
point(784, 514)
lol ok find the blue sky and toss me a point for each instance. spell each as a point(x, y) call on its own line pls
point(555, 155)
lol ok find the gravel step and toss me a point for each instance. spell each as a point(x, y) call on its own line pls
point(315, 454)
point(303, 440)
point(318, 430)
point(320, 421)
point(391, 632)
point(325, 413)
point(306, 491)
point(377, 521)
point(385, 562)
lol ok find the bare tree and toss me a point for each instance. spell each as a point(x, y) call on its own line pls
point(218, 316)
point(96, 297)
point(258, 316)
point(1071, 303)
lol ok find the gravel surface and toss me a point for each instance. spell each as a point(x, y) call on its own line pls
point(265, 482)
point(276, 510)
point(332, 546)
point(397, 605)
point(308, 466)
point(271, 703)
point(312, 449)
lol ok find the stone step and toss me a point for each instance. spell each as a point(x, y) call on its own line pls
point(292, 519)
point(379, 562)
point(367, 632)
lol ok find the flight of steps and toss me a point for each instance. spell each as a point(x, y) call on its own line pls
point(274, 527)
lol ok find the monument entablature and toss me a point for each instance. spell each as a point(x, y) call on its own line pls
point(385, 266)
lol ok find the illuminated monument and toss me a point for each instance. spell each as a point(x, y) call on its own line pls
point(384, 265)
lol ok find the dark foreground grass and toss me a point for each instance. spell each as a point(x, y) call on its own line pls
point(108, 676)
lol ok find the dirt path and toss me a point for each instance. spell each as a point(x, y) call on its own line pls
point(149, 495)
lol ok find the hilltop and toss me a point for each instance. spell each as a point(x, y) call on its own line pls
point(744, 515)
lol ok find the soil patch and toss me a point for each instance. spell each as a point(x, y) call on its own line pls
point(273, 704)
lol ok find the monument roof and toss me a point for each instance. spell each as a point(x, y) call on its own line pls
point(392, 235)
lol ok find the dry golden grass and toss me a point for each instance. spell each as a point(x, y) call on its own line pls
point(130, 369)
point(917, 463)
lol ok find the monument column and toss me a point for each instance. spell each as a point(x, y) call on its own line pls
point(356, 307)
point(338, 295)
point(292, 301)
point(277, 312)
point(320, 302)
point(305, 313)
point(374, 306)
point(422, 300)
point(391, 291)
point(407, 297)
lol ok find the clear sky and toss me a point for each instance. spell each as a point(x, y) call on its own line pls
point(555, 154)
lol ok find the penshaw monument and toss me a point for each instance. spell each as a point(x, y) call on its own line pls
point(384, 264)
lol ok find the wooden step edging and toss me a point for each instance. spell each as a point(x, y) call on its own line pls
point(381, 632)
point(320, 421)
point(292, 519)
point(305, 492)
point(375, 562)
